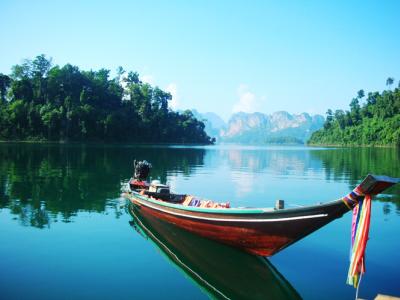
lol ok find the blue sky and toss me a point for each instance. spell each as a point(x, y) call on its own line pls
point(219, 56)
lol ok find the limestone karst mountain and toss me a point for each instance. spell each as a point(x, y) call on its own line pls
point(280, 127)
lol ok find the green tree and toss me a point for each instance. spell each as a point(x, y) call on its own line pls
point(329, 119)
point(120, 72)
point(360, 94)
point(132, 77)
point(389, 81)
point(355, 110)
point(66, 103)
point(376, 122)
point(5, 82)
point(340, 118)
point(41, 66)
point(22, 71)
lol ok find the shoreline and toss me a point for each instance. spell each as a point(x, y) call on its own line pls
point(98, 143)
point(192, 144)
point(351, 146)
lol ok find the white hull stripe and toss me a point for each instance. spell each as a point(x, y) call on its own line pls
point(231, 220)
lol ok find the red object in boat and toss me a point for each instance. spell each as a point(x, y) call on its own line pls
point(138, 184)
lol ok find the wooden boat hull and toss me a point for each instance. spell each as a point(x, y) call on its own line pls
point(261, 234)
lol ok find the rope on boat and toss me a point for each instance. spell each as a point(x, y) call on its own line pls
point(359, 283)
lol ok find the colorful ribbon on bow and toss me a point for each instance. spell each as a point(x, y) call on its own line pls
point(359, 239)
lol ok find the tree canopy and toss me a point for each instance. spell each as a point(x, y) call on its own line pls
point(375, 122)
point(42, 101)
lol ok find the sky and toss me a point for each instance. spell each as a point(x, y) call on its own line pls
point(218, 56)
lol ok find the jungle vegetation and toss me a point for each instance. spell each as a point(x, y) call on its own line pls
point(40, 101)
point(373, 120)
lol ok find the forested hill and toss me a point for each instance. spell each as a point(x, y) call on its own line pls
point(44, 102)
point(375, 122)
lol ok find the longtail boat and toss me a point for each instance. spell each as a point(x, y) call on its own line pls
point(259, 231)
point(220, 271)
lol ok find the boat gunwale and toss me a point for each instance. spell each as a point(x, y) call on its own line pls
point(233, 210)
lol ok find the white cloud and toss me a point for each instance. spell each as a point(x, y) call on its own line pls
point(173, 90)
point(247, 100)
point(147, 79)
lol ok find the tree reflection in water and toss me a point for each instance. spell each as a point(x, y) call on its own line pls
point(352, 164)
point(45, 183)
point(41, 184)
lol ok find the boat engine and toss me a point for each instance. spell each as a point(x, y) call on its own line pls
point(141, 170)
point(140, 174)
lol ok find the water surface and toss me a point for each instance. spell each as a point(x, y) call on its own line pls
point(66, 233)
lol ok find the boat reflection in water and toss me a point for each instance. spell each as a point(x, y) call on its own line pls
point(219, 270)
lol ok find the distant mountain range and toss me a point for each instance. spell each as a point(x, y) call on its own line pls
point(214, 123)
point(254, 128)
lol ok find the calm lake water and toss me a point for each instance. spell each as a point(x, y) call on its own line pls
point(65, 232)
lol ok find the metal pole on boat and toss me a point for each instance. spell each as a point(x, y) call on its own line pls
point(279, 204)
